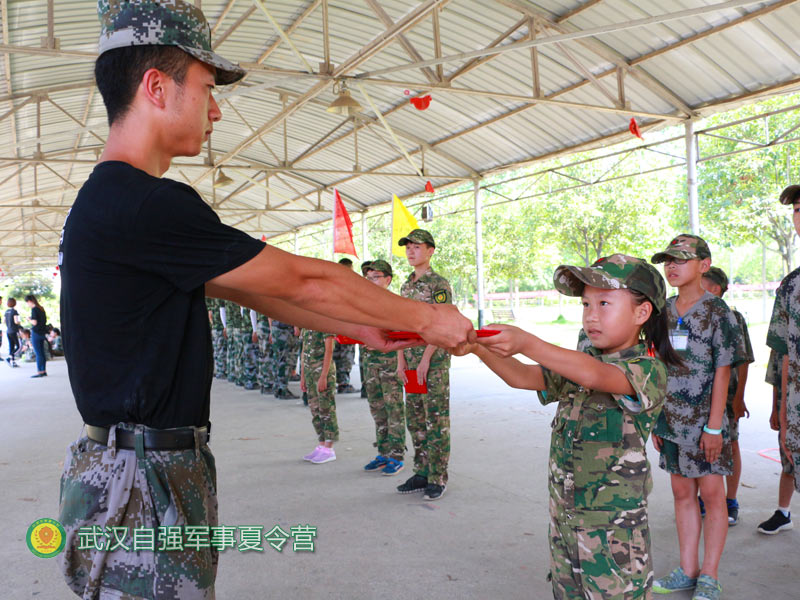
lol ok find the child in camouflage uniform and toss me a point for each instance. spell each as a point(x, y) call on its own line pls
point(427, 415)
point(385, 394)
point(318, 379)
point(692, 432)
point(716, 282)
point(781, 519)
point(784, 338)
point(608, 399)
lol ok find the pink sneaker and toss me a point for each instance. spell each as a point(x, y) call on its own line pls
point(313, 454)
point(325, 455)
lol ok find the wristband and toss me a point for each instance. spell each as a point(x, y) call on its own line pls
point(710, 431)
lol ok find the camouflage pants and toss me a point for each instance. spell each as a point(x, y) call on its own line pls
point(385, 397)
point(428, 419)
point(322, 404)
point(105, 487)
point(362, 373)
point(283, 339)
point(264, 356)
point(234, 355)
point(343, 356)
point(600, 562)
point(294, 354)
point(220, 344)
point(249, 368)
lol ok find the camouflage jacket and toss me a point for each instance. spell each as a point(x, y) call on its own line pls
point(783, 336)
point(599, 472)
point(433, 289)
point(313, 347)
point(773, 374)
point(749, 356)
point(212, 304)
point(714, 340)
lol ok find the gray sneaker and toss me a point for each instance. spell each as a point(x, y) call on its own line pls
point(674, 582)
point(707, 588)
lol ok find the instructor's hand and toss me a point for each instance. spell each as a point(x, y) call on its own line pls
point(711, 445)
point(447, 327)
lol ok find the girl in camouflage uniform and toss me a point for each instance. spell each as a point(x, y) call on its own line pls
point(318, 379)
point(608, 400)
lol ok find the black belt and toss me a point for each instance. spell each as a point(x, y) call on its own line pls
point(181, 438)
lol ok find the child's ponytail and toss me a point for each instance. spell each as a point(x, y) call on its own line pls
point(656, 333)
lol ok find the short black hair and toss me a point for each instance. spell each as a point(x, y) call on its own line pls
point(346, 262)
point(119, 72)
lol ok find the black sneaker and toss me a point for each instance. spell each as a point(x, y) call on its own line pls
point(415, 483)
point(434, 492)
point(285, 395)
point(346, 389)
point(363, 391)
point(733, 511)
point(776, 523)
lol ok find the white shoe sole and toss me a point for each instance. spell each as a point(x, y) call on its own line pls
point(429, 499)
point(324, 460)
point(786, 527)
point(393, 474)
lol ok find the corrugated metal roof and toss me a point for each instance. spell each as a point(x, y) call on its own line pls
point(482, 121)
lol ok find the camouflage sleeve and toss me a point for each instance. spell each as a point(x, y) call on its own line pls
point(773, 376)
point(777, 334)
point(553, 386)
point(583, 341)
point(648, 378)
point(442, 292)
point(727, 345)
point(748, 345)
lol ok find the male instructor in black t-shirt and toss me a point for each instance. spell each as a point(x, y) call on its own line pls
point(139, 253)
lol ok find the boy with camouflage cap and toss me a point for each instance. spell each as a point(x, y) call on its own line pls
point(609, 397)
point(427, 415)
point(384, 393)
point(784, 338)
point(716, 282)
point(692, 432)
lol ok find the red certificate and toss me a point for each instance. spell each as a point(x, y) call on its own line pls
point(410, 335)
point(413, 387)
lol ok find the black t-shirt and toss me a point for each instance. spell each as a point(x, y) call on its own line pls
point(11, 324)
point(135, 254)
point(38, 315)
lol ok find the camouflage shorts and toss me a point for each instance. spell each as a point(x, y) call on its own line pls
point(733, 428)
point(598, 563)
point(690, 461)
point(787, 467)
point(107, 487)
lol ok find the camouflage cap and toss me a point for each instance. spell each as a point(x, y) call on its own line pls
point(790, 195)
point(615, 272)
point(381, 266)
point(718, 276)
point(686, 246)
point(162, 23)
point(365, 266)
point(418, 236)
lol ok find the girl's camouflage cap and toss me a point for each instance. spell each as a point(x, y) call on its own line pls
point(615, 272)
point(163, 23)
point(685, 246)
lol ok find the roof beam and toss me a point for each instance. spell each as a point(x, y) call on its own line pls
point(577, 10)
point(477, 62)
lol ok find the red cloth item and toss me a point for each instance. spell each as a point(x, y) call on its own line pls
point(633, 127)
point(410, 335)
point(422, 102)
point(413, 386)
point(429, 187)
point(342, 228)
point(263, 238)
point(346, 341)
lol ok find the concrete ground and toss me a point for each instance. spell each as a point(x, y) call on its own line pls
point(486, 538)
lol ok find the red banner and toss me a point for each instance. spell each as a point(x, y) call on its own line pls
point(342, 228)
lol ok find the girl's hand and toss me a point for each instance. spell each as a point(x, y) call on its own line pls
point(401, 373)
point(775, 420)
point(740, 409)
point(422, 370)
point(506, 343)
point(463, 349)
point(658, 443)
point(712, 445)
point(322, 384)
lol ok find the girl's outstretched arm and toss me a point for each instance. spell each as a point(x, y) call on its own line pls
point(512, 371)
point(576, 366)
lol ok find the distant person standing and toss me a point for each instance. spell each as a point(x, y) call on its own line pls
point(38, 332)
point(12, 332)
point(344, 354)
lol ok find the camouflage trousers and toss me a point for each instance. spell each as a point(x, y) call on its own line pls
point(596, 560)
point(294, 354)
point(362, 372)
point(343, 356)
point(220, 344)
point(283, 340)
point(234, 355)
point(322, 404)
point(428, 420)
point(249, 362)
point(385, 397)
point(264, 356)
point(107, 488)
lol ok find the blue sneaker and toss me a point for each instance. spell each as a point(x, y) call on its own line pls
point(702, 507)
point(707, 588)
point(674, 582)
point(378, 463)
point(393, 467)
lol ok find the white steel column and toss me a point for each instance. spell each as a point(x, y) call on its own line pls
point(296, 244)
point(691, 178)
point(479, 248)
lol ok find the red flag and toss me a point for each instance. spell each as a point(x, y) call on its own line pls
point(263, 238)
point(429, 187)
point(342, 228)
point(633, 127)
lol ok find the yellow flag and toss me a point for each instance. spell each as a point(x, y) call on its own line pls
point(403, 223)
